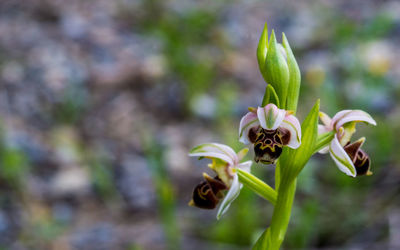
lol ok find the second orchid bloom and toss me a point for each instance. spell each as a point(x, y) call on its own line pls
point(269, 129)
point(225, 185)
point(349, 157)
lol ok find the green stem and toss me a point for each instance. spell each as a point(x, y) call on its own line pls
point(281, 215)
point(258, 186)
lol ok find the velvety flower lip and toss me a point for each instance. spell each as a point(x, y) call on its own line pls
point(348, 157)
point(225, 161)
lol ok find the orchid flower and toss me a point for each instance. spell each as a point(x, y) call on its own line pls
point(349, 157)
point(225, 161)
point(269, 129)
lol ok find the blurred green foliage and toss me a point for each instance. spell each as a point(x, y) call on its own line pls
point(13, 165)
point(102, 177)
point(165, 192)
point(330, 209)
point(186, 44)
point(71, 106)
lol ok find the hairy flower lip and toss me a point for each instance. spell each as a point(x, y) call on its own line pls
point(359, 158)
point(208, 193)
point(268, 146)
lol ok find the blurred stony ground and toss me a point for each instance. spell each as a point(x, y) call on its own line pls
point(100, 102)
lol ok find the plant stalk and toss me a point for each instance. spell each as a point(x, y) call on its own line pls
point(281, 214)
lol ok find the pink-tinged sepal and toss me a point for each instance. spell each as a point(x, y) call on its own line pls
point(323, 129)
point(346, 116)
point(291, 137)
point(234, 190)
point(270, 116)
point(232, 194)
point(215, 150)
point(342, 160)
point(248, 128)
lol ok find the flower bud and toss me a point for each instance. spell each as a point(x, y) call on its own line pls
point(279, 68)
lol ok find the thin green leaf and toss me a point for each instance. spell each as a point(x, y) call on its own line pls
point(293, 160)
point(257, 185)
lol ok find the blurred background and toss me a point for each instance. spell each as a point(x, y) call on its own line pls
point(101, 100)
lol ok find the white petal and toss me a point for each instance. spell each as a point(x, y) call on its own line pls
point(270, 116)
point(247, 122)
point(325, 119)
point(232, 194)
point(342, 160)
point(322, 129)
point(215, 150)
point(346, 116)
point(339, 115)
point(245, 166)
point(293, 125)
point(324, 150)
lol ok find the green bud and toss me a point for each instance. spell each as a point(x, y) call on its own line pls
point(279, 68)
point(276, 70)
point(262, 48)
point(294, 76)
